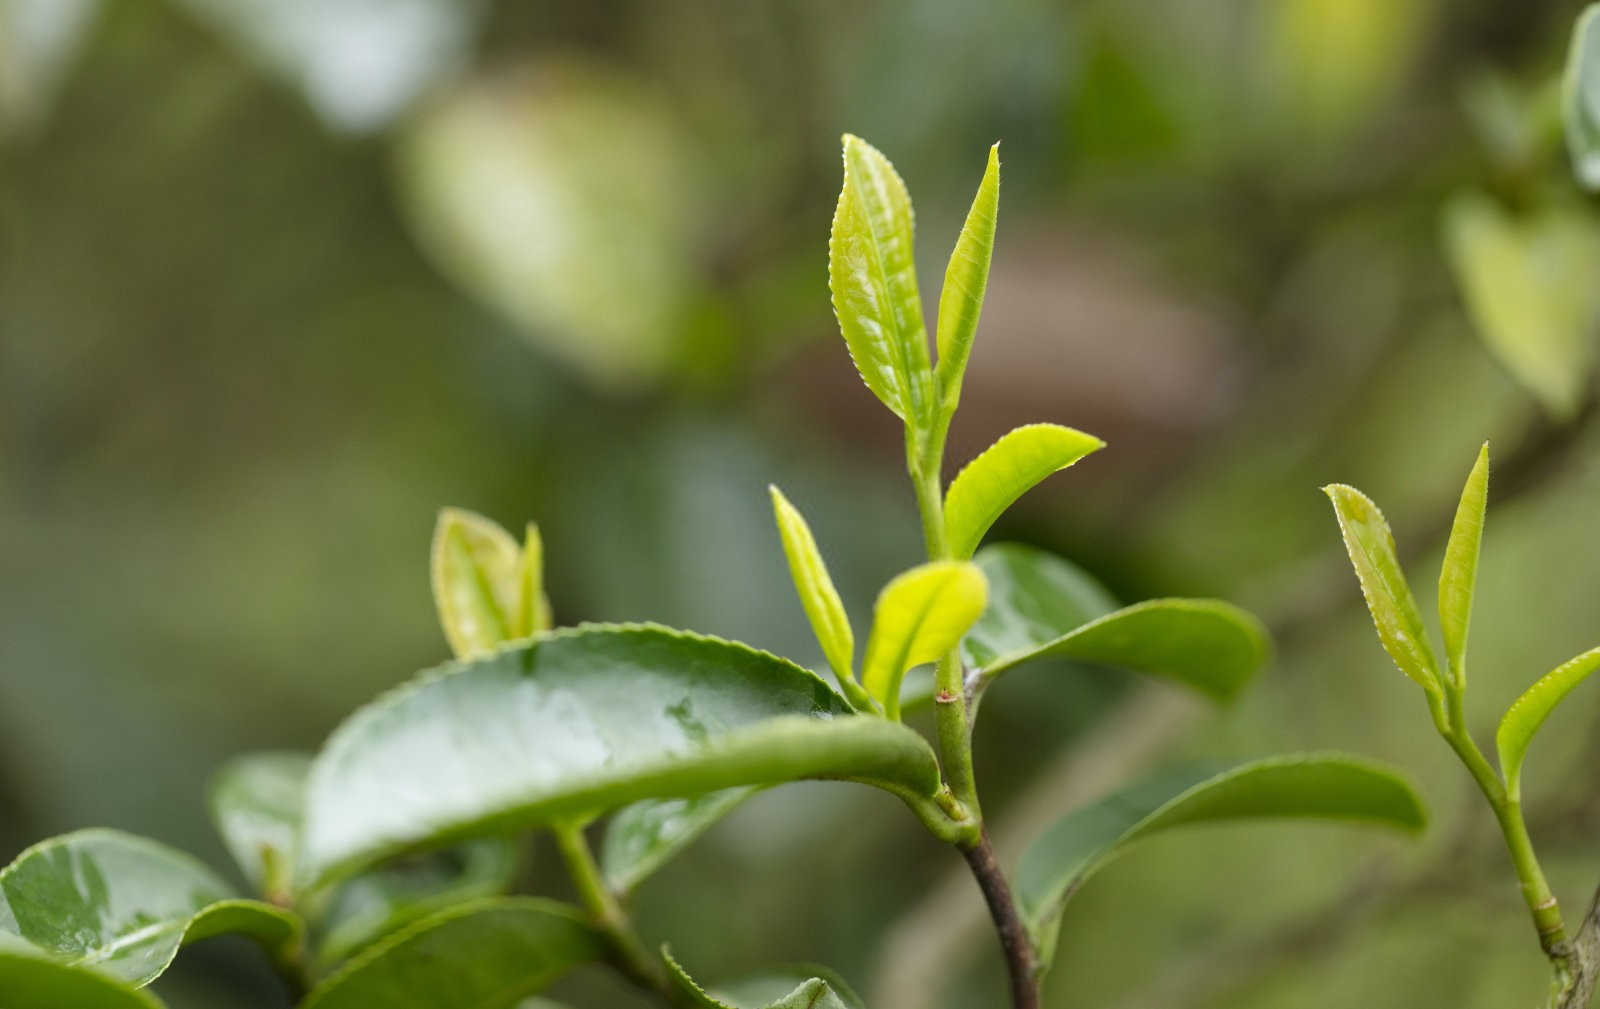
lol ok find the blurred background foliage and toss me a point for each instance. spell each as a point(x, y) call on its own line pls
point(279, 278)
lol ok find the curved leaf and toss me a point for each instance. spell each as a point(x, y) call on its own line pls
point(1581, 98)
point(1458, 576)
point(785, 989)
point(642, 837)
point(920, 616)
point(1303, 786)
point(31, 979)
point(1034, 598)
point(1394, 612)
point(255, 802)
point(477, 581)
point(533, 606)
point(992, 482)
point(817, 594)
point(577, 722)
point(486, 954)
point(1523, 719)
point(874, 283)
point(125, 904)
point(965, 279)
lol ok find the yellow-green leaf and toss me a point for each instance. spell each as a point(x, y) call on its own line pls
point(1581, 98)
point(1372, 553)
point(477, 582)
point(817, 594)
point(533, 606)
point(965, 279)
point(1459, 574)
point(1523, 719)
point(874, 283)
point(1005, 471)
point(920, 616)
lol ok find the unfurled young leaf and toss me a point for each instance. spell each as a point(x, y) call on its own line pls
point(1320, 786)
point(1372, 552)
point(823, 608)
point(575, 723)
point(31, 978)
point(1581, 98)
point(1523, 719)
point(125, 905)
point(1459, 575)
point(786, 989)
point(920, 616)
point(533, 606)
point(965, 279)
point(992, 482)
point(874, 284)
point(641, 838)
point(477, 582)
point(479, 955)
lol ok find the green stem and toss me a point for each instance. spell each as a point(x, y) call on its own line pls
point(628, 949)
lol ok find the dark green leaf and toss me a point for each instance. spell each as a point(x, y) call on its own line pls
point(785, 989)
point(577, 722)
point(1523, 719)
point(255, 803)
point(31, 978)
point(1006, 470)
point(641, 838)
point(1304, 786)
point(486, 954)
point(1458, 577)
point(126, 904)
point(1581, 98)
point(1034, 598)
point(965, 279)
point(874, 284)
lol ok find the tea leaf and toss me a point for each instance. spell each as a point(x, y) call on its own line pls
point(1303, 786)
point(790, 989)
point(874, 283)
point(1035, 597)
point(1523, 719)
point(823, 608)
point(642, 837)
point(1394, 612)
point(965, 279)
point(480, 955)
point(920, 616)
point(255, 803)
point(478, 582)
point(1459, 574)
point(577, 722)
point(32, 979)
point(125, 905)
point(1006, 470)
point(533, 606)
point(1581, 98)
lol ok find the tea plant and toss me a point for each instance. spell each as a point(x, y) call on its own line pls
point(380, 867)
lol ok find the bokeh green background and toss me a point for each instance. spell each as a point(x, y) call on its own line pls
point(280, 279)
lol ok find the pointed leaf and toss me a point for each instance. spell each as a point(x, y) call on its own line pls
point(1006, 470)
point(577, 722)
point(874, 283)
point(1320, 786)
point(125, 904)
point(920, 617)
point(817, 594)
point(774, 990)
point(533, 606)
point(965, 279)
point(32, 979)
point(255, 803)
point(1035, 597)
point(642, 837)
point(477, 581)
point(1581, 98)
point(1459, 575)
point(1394, 612)
point(486, 954)
point(1523, 719)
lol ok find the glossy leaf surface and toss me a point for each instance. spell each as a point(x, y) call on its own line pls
point(255, 803)
point(965, 279)
point(577, 722)
point(774, 990)
point(480, 955)
point(1034, 598)
point(477, 582)
point(1308, 786)
point(1523, 719)
point(30, 978)
point(811, 582)
point(642, 837)
point(920, 616)
point(1581, 98)
point(1394, 612)
point(1458, 576)
point(1006, 470)
point(125, 904)
point(874, 283)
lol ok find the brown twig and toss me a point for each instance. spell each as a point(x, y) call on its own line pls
point(1022, 962)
